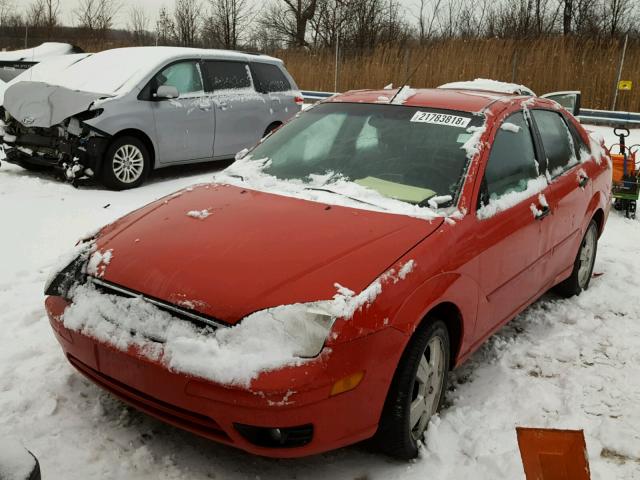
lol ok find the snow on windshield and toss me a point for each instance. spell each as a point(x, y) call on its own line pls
point(263, 341)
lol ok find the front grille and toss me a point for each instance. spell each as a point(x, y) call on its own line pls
point(189, 315)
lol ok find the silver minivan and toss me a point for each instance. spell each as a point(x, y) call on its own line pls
point(118, 114)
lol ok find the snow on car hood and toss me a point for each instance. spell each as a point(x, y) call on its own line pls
point(252, 250)
point(38, 104)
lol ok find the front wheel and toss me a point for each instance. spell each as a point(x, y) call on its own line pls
point(416, 392)
point(583, 265)
point(126, 164)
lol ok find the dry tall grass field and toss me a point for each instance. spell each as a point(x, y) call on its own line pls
point(545, 65)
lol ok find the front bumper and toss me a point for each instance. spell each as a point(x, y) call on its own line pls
point(292, 397)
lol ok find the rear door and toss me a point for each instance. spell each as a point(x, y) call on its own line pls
point(510, 225)
point(278, 90)
point(569, 191)
point(240, 112)
point(184, 125)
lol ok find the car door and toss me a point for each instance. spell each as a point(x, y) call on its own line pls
point(569, 189)
point(184, 125)
point(510, 225)
point(276, 88)
point(569, 100)
point(240, 111)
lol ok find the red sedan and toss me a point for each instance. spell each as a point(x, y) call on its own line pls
point(320, 290)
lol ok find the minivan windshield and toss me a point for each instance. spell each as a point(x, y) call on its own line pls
point(407, 153)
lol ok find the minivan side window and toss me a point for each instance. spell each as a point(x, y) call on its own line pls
point(512, 161)
point(269, 78)
point(226, 75)
point(557, 141)
point(185, 76)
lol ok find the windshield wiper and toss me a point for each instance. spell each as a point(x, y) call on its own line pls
point(320, 189)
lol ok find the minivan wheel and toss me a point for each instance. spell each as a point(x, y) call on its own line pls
point(583, 265)
point(416, 393)
point(126, 164)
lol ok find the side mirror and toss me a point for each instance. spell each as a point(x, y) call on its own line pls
point(569, 100)
point(166, 91)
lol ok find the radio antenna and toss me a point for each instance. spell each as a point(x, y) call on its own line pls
point(413, 72)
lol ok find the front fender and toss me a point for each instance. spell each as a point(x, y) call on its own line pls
point(457, 289)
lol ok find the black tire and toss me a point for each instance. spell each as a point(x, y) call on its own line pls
point(580, 279)
point(112, 174)
point(396, 436)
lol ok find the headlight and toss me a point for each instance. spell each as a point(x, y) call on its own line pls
point(301, 328)
point(60, 283)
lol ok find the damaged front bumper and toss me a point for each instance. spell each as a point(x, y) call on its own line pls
point(72, 147)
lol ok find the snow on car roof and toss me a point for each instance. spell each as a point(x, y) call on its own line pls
point(38, 53)
point(489, 86)
point(121, 69)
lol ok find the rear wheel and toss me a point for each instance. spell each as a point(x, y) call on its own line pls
point(583, 265)
point(271, 128)
point(126, 164)
point(416, 392)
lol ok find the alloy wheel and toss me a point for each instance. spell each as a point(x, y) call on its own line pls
point(587, 254)
point(128, 163)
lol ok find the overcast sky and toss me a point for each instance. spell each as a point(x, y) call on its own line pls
point(151, 6)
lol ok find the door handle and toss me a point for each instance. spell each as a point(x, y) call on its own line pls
point(543, 212)
point(583, 181)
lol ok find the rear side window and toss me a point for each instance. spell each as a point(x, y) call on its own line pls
point(512, 161)
point(558, 143)
point(269, 78)
point(223, 75)
point(185, 76)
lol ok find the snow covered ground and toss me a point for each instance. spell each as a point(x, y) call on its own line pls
point(563, 363)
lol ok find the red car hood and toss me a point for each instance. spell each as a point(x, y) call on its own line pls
point(254, 250)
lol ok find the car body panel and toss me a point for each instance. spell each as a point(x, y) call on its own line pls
point(224, 266)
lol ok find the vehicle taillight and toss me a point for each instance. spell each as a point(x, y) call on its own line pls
point(299, 100)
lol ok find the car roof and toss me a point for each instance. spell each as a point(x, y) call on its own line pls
point(466, 100)
point(163, 54)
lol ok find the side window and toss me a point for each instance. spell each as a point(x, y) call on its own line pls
point(558, 143)
point(512, 161)
point(269, 78)
point(185, 76)
point(224, 75)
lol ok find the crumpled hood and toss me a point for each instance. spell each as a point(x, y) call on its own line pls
point(38, 104)
point(226, 251)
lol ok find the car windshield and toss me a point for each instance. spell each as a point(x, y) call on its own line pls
point(407, 153)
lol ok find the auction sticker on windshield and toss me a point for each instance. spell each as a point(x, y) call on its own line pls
point(441, 119)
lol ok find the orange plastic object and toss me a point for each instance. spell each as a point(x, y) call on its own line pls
point(618, 166)
point(549, 454)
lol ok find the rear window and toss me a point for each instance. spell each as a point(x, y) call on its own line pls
point(269, 78)
point(224, 75)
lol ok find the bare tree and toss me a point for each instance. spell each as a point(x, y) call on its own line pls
point(426, 17)
point(186, 14)
point(228, 20)
point(97, 15)
point(289, 18)
point(165, 28)
point(138, 24)
point(36, 14)
point(617, 16)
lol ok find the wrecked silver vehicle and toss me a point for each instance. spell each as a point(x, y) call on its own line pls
point(118, 114)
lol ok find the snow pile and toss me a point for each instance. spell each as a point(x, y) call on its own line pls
point(490, 86)
point(473, 145)
point(508, 200)
point(98, 262)
point(36, 54)
point(265, 340)
point(199, 214)
point(249, 173)
point(16, 463)
point(510, 127)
